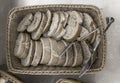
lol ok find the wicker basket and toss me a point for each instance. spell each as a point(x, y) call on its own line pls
point(9, 77)
point(17, 14)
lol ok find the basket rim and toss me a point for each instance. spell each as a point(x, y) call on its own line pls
point(65, 72)
point(10, 77)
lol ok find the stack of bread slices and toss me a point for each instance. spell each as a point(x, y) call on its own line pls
point(43, 36)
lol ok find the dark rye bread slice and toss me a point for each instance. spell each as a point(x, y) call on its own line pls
point(38, 53)
point(78, 55)
point(69, 57)
point(26, 46)
point(27, 61)
point(54, 24)
point(60, 29)
point(61, 46)
point(48, 23)
point(75, 17)
point(66, 18)
point(83, 33)
point(54, 53)
point(26, 21)
point(19, 47)
point(81, 16)
point(35, 23)
point(36, 34)
point(89, 24)
point(86, 52)
point(46, 53)
point(73, 28)
point(22, 45)
point(72, 33)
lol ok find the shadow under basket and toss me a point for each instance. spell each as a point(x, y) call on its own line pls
point(16, 14)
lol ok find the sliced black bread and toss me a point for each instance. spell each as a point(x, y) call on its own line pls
point(48, 23)
point(35, 23)
point(86, 52)
point(46, 54)
point(61, 46)
point(54, 24)
point(26, 21)
point(27, 61)
point(54, 53)
point(38, 53)
point(73, 28)
point(89, 24)
point(22, 45)
point(37, 34)
point(69, 57)
point(78, 55)
point(60, 29)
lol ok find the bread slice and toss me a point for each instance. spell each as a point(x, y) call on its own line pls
point(60, 27)
point(90, 25)
point(81, 18)
point(62, 30)
point(18, 50)
point(78, 55)
point(72, 33)
point(27, 61)
point(19, 47)
point(48, 23)
point(69, 57)
point(75, 17)
point(73, 28)
point(54, 53)
point(37, 54)
point(83, 33)
point(21, 38)
point(22, 45)
point(86, 52)
point(26, 21)
point(35, 23)
point(54, 24)
point(61, 46)
point(66, 18)
point(36, 34)
point(46, 54)
point(26, 46)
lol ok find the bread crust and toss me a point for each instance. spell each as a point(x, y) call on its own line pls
point(25, 22)
point(78, 55)
point(27, 61)
point(35, 23)
point(38, 53)
point(54, 24)
point(73, 28)
point(37, 34)
point(48, 23)
point(46, 54)
point(86, 52)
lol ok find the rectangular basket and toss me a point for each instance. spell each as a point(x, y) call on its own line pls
point(16, 14)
